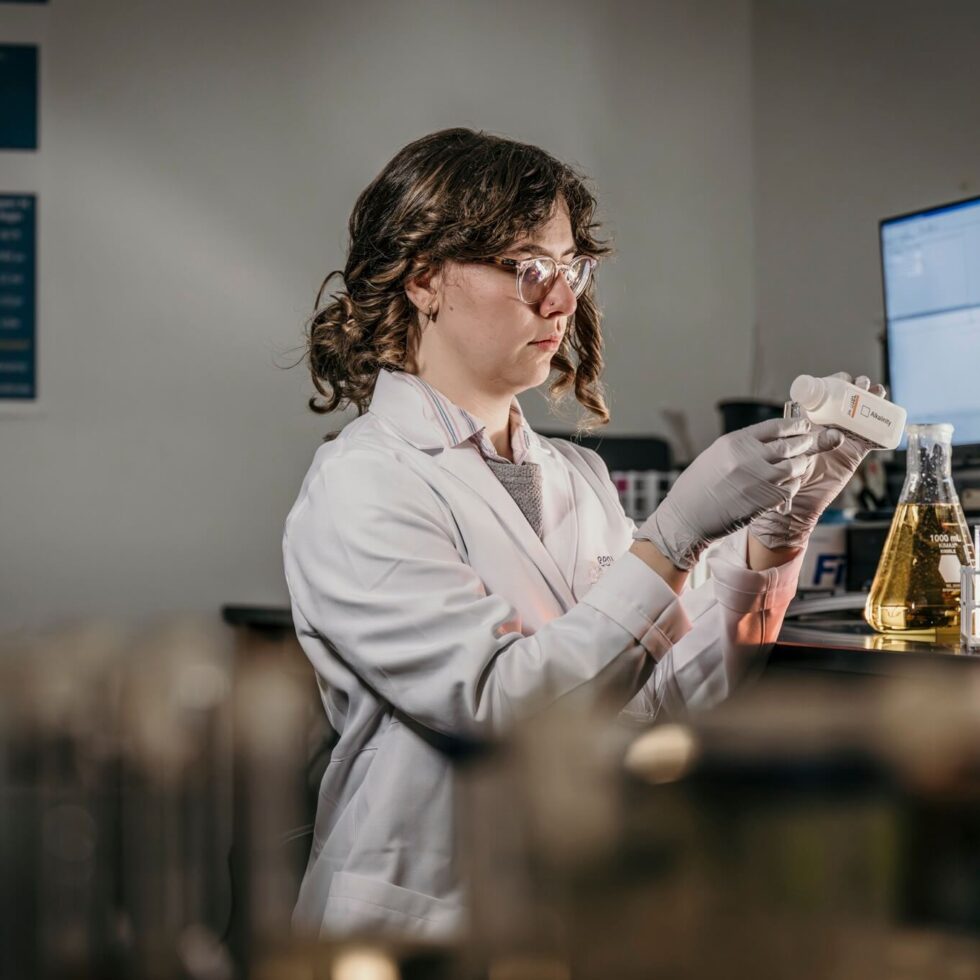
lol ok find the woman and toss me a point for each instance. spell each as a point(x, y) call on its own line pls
point(450, 570)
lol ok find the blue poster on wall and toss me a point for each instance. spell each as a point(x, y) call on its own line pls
point(18, 96)
point(18, 263)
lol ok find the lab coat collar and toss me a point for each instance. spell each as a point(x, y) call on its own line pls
point(404, 408)
point(408, 410)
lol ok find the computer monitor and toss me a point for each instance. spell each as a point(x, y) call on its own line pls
point(930, 262)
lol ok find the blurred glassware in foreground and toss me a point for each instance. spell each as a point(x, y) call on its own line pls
point(129, 764)
point(802, 830)
point(150, 784)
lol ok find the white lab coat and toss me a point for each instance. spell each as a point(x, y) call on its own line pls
point(429, 607)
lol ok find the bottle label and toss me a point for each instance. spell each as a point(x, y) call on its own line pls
point(856, 406)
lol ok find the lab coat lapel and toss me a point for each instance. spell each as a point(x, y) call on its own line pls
point(560, 531)
point(465, 463)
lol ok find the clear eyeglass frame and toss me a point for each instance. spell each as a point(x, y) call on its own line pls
point(536, 275)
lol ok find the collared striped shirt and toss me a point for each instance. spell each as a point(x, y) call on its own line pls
point(459, 426)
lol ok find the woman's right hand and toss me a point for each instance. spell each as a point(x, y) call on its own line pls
point(737, 477)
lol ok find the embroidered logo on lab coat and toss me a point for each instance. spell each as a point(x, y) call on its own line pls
point(599, 566)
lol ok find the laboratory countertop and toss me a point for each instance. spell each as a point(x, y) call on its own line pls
point(829, 634)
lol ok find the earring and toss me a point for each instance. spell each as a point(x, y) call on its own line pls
point(432, 313)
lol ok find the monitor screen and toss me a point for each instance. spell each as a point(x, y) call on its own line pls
point(930, 264)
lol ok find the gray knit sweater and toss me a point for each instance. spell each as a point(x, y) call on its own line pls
point(523, 483)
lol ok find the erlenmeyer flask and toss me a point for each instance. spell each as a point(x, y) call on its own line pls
point(917, 585)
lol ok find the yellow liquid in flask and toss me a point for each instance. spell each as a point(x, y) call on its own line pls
point(917, 585)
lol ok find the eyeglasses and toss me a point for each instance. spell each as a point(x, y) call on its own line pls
point(536, 276)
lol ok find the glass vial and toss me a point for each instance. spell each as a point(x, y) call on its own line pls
point(970, 607)
point(917, 584)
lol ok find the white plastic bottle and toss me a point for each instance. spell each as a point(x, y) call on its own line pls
point(832, 401)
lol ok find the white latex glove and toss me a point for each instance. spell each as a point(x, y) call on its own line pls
point(838, 454)
point(737, 477)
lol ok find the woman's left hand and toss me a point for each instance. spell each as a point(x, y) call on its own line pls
point(835, 459)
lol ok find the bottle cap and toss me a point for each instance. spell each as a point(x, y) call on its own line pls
point(807, 390)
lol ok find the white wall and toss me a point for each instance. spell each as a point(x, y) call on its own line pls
point(862, 111)
point(197, 167)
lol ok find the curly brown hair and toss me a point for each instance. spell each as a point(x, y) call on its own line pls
point(456, 195)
